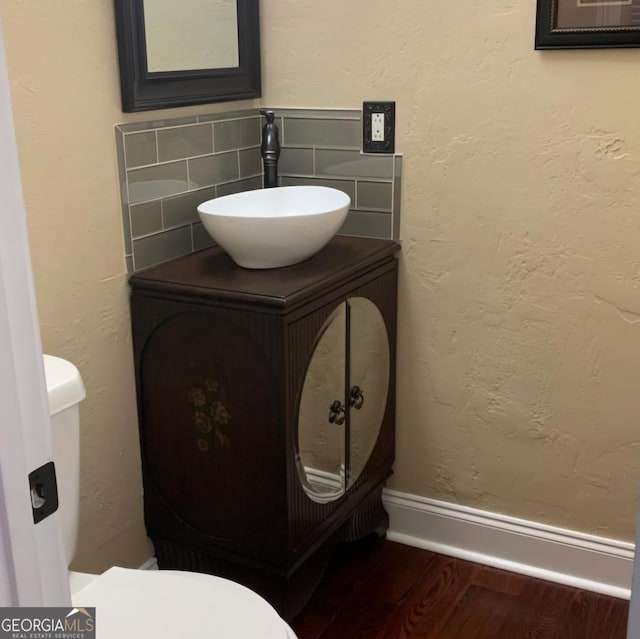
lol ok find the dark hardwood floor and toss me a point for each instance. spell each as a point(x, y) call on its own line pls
point(382, 590)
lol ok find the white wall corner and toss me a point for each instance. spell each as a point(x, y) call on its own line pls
point(527, 547)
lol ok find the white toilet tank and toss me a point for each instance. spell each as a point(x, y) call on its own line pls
point(65, 391)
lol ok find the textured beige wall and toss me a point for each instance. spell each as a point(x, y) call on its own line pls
point(519, 318)
point(519, 349)
point(63, 70)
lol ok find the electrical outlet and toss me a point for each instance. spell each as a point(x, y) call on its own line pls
point(378, 127)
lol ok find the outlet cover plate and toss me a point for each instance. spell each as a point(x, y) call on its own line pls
point(388, 109)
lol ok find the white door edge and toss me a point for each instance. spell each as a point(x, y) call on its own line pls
point(32, 567)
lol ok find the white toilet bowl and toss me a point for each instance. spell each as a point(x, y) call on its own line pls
point(165, 604)
point(136, 604)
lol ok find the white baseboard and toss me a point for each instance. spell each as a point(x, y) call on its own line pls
point(150, 564)
point(527, 547)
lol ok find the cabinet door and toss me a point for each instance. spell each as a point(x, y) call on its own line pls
point(321, 416)
point(368, 381)
point(209, 420)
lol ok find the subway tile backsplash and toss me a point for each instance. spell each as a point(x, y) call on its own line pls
point(346, 186)
point(161, 247)
point(237, 134)
point(168, 167)
point(155, 182)
point(146, 218)
point(140, 149)
point(353, 163)
point(322, 147)
point(210, 170)
point(323, 133)
point(375, 195)
point(182, 209)
point(175, 143)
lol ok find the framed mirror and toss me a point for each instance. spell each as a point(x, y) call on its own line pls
point(175, 54)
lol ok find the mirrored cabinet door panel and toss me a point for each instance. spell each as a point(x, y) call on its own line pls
point(321, 417)
point(368, 381)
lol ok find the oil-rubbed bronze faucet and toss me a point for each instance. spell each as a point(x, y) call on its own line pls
point(270, 149)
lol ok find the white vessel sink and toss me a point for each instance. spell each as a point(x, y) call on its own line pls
point(275, 227)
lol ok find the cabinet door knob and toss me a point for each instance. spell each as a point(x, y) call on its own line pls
point(336, 413)
point(357, 398)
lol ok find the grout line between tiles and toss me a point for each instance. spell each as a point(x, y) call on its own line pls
point(200, 188)
point(185, 159)
point(328, 176)
point(240, 119)
point(133, 256)
point(166, 196)
point(248, 177)
point(342, 178)
point(144, 236)
point(130, 225)
point(184, 126)
point(126, 186)
point(244, 148)
point(157, 128)
point(163, 231)
point(371, 209)
point(162, 212)
point(239, 171)
point(213, 137)
point(127, 204)
point(321, 147)
point(189, 177)
point(377, 180)
point(298, 113)
point(318, 118)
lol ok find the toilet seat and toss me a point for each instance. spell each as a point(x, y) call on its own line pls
point(165, 604)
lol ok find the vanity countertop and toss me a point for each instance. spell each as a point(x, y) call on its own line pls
point(212, 274)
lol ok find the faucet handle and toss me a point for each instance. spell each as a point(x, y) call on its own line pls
point(270, 115)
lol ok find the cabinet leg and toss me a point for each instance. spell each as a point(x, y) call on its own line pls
point(370, 517)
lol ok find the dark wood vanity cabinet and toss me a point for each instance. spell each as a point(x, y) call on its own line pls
point(264, 441)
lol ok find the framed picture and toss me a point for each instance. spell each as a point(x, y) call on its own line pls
point(587, 24)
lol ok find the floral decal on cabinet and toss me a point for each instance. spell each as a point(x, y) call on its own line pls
point(210, 415)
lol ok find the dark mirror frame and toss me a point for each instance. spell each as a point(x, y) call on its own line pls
point(144, 91)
